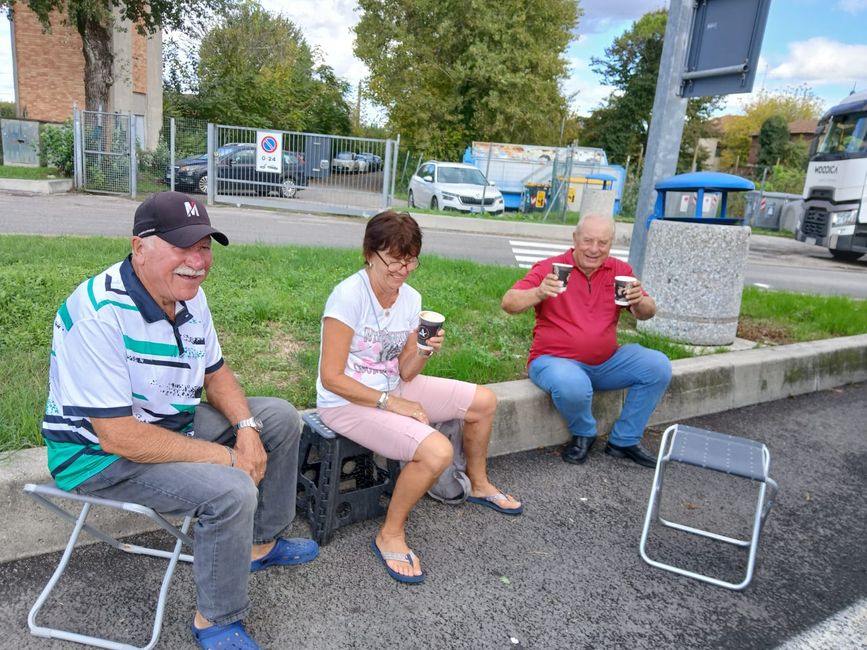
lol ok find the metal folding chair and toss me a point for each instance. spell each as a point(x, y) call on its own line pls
point(44, 495)
point(723, 453)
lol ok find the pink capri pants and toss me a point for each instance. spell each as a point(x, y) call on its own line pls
point(398, 436)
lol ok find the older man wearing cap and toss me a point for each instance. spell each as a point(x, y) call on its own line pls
point(133, 348)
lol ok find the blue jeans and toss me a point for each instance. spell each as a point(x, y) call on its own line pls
point(570, 384)
point(231, 514)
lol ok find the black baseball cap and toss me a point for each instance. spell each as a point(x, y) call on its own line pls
point(176, 218)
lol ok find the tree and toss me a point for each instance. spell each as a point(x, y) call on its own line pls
point(256, 69)
point(773, 140)
point(452, 71)
point(95, 19)
point(791, 104)
point(631, 65)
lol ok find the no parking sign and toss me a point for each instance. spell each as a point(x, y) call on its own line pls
point(269, 151)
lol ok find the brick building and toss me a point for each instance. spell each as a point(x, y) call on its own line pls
point(49, 72)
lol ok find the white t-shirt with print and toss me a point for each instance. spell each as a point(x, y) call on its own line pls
point(378, 338)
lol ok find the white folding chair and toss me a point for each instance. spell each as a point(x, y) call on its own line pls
point(45, 495)
point(723, 453)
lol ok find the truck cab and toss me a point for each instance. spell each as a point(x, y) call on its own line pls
point(835, 190)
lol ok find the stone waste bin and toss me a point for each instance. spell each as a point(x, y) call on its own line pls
point(695, 273)
point(598, 201)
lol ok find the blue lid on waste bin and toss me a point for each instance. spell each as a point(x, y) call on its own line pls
point(705, 180)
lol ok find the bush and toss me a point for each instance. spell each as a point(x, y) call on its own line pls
point(56, 146)
point(785, 179)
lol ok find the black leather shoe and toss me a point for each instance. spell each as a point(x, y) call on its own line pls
point(634, 453)
point(576, 451)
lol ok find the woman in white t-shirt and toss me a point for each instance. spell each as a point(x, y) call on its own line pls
point(371, 390)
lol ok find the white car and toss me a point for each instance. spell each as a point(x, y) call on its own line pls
point(453, 186)
point(348, 163)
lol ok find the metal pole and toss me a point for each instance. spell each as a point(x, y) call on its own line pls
point(133, 160)
point(172, 153)
point(386, 174)
point(395, 156)
point(666, 125)
point(212, 167)
point(487, 169)
point(78, 148)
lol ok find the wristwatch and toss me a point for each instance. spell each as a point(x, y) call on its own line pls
point(252, 423)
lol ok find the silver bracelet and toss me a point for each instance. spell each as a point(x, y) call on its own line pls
point(232, 457)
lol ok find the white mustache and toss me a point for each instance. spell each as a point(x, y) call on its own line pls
point(186, 270)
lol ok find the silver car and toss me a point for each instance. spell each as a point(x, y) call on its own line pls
point(453, 186)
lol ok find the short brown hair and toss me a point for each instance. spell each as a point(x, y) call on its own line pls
point(395, 232)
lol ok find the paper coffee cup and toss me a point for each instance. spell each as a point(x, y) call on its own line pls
point(562, 272)
point(429, 323)
point(621, 283)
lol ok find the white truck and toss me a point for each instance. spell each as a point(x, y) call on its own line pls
point(835, 190)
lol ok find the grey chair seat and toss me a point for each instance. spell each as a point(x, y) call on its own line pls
point(718, 452)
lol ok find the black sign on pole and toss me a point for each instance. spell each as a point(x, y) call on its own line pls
point(724, 47)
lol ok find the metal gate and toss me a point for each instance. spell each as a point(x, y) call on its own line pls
point(104, 152)
point(317, 172)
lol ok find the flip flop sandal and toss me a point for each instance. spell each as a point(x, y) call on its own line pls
point(287, 552)
point(409, 558)
point(224, 637)
point(491, 502)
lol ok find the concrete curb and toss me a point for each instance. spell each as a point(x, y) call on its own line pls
point(48, 186)
point(525, 420)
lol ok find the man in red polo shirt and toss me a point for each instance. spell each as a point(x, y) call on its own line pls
point(575, 351)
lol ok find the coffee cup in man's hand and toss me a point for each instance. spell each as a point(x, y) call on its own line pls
point(621, 284)
point(562, 271)
point(429, 323)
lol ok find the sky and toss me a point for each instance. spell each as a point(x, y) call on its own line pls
point(820, 44)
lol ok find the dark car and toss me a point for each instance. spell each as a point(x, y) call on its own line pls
point(236, 173)
point(374, 162)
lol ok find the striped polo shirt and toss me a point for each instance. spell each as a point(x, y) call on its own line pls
point(115, 353)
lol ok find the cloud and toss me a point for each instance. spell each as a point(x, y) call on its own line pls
point(602, 15)
point(820, 61)
point(327, 25)
point(580, 80)
point(852, 6)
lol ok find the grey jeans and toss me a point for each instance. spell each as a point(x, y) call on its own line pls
point(231, 514)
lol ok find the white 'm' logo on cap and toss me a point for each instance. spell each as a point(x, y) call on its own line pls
point(192, 209)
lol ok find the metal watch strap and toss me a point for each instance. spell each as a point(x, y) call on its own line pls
point(250, 422)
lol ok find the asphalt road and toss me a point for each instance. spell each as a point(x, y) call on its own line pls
point(775, 262)
point(566, 574)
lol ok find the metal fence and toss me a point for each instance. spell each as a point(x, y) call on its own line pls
point(105, 152)
point(317, 172)
point(180, 139)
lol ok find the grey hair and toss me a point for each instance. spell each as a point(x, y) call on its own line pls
point(596, 217)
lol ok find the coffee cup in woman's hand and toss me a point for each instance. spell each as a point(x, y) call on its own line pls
point(429, 323)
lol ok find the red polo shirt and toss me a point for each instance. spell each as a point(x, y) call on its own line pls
point(580, 323)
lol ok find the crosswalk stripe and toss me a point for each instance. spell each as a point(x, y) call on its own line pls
point(528, 253)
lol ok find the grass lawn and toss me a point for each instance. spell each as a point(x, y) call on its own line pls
point(267, 301)
point(29, 173)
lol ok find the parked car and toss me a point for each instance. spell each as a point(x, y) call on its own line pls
point(454, 186)
point(236, 173)
point(348, 163)
point(374, 162)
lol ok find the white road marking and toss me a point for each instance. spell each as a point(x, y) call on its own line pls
point(528, 253)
